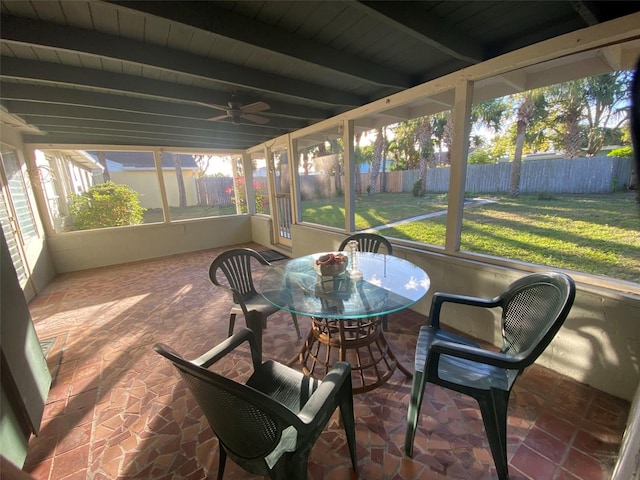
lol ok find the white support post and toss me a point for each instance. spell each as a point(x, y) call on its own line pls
point(250, 192)
point(157, 160)
point(459, 153)
point(349, 175)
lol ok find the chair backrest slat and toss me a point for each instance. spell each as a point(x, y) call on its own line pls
point(368, 242)
point(235, 265)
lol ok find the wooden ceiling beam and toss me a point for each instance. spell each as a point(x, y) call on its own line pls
point(432, 31)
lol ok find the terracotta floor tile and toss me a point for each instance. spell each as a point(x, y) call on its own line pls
point(584, 466)
point(117, 409)
point(531, 463)
point(546, 445)
point(70, 462)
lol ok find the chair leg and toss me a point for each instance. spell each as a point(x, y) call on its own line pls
point(222, 462)
point(295, 323)
point(280, 469)
point(493, 407)
point(413, 412)
point(296, 467)
point(232, 322)
point(348, 420)
point(385, 321)
point(254, 323)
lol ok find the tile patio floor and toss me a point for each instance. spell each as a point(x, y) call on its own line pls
point(116, 409)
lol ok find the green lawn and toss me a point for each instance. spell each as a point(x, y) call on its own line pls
point(371, 210)
point(598, 234)
point(153, 215)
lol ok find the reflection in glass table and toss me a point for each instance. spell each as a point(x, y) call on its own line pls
point(346, 311)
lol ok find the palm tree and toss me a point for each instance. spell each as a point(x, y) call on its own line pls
point(426, 154)
point(182, 194)
point(530, 107)
point(378, 152)
point(603, 94)
point(584, 109)
point(103, 161)
point(491, 113)
point(439, 124)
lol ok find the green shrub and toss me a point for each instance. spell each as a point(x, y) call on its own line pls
point(622, 152)
point(418, 190)
point(106, 205)
point(479, 157)
point(546, 196)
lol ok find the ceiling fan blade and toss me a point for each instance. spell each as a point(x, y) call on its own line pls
point(255, 107)
point(219, 117)
point(255, 118)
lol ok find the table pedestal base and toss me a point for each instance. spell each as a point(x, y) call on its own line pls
point(360, 342)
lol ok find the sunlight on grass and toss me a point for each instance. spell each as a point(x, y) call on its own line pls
point(596, 234)
point(592, 234)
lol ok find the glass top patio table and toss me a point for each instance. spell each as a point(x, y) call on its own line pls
point(346, 312)
point(388, 284)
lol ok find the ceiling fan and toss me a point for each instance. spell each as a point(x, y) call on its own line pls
point(236, 111)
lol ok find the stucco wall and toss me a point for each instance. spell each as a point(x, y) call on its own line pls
point(109, 246)
point(599, 343)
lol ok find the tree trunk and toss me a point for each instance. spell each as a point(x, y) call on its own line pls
point(525, 112)
point(103, 161)
point(181, 190)
point(448, 138)
point(424, 141)
point(572, 136)
point(516, 165)
point(378, 151)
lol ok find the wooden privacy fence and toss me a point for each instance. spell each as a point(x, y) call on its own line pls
point(579, 175)
point(219, 191)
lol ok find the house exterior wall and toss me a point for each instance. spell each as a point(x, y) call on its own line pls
point(145, 183)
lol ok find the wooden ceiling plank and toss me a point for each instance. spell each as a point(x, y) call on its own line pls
point(223, 22)
point(35, 109)
point(17, 29)
point(64, 75)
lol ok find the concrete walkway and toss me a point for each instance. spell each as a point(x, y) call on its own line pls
point(478, 201)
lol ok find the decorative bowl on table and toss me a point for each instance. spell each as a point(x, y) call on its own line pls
point(331, 264)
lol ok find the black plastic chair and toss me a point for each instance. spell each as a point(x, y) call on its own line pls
point(235, 264)
point(370, 242)
point(269, 424)
point(533, 310)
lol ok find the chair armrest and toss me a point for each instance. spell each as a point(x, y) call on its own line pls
point(230, 344)
point(331, 385)
point(475, 354)
point(439, 298)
